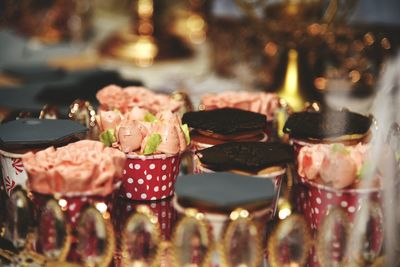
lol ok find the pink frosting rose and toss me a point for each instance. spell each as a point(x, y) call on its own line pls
point(334, 164)
point(108, 119)
point(260, 102)
point(84, 167)
point(132, 135)
point(112, 97)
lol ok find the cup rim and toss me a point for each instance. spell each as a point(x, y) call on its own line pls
point(219, 216)
point(10, 154)
point(116, 186)
point(203, 145)
point(271, 175)
point(311, 183)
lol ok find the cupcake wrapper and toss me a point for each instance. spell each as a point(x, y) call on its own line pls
point(13, 171)
point(150, 177)
point(314, 200)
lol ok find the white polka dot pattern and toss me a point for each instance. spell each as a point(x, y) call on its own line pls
point(315, 201)
point(150, 179)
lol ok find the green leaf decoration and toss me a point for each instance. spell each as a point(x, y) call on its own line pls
point(152, 143)
point(185, 129)
point(339, 148)
point(108, 137)
point(365, 171)
point(150, 117)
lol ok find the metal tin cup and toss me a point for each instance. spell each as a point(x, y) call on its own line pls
point(13, 171)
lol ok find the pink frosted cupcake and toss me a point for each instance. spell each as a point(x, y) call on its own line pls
point(335, 175)
point(76, 174)
point(153, 146)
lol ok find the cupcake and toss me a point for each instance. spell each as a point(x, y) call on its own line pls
point(113, 97)
point(216, 195)
point(335, 175)
point(23, 135)
point(79, 173)
point(219, 126)
point(249, 158)
point(339, 188)
point(308, 128)
point(153, 146)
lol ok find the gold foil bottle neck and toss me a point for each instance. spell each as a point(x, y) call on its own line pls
point(290, 91)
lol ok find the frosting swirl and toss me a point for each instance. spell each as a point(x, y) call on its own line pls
point(333, 164)
point(124, 99)
point(82, 167)
point(141, 132)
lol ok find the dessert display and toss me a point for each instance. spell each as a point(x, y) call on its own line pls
point(23, 135)
point(81, 172)
point(113, 97)
point(217, 216)
point(223, 125)
point(259, 102)
point(153, 147)
point(250, 158)
point(306, 128)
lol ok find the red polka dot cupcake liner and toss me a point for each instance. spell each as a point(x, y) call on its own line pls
point(314, 200)
point(150, 177)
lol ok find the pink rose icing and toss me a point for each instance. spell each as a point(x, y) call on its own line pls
point(124, 99)
point(334, 164)
point(132, 135)
point(260, 102)
point(108, 119)
point(84, 167)
point(111, 97)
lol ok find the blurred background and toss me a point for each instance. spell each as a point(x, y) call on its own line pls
point(55, 51)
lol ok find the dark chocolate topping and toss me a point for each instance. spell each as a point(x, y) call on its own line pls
point(328, 124)
point(224, 191)
point(225, 121)
point(246, 156)
point(30, 133)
